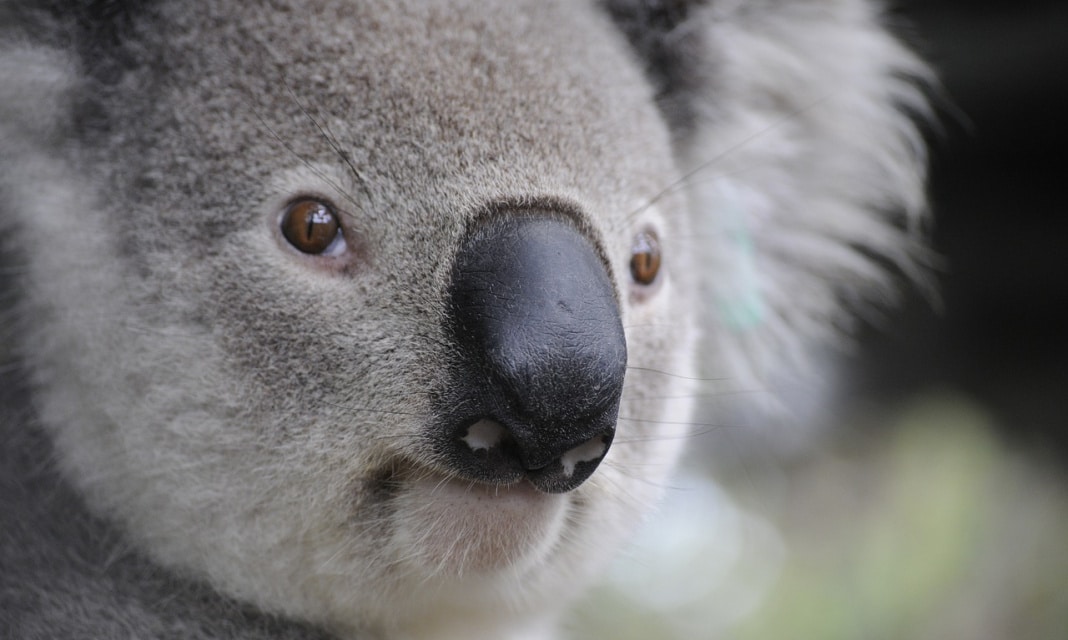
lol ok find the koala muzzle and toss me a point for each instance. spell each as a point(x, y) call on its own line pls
point(542, 355)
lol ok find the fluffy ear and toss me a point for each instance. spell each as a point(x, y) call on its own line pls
point(804, 170)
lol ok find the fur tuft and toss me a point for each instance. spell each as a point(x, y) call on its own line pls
point(806, 185)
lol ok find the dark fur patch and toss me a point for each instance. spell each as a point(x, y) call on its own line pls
point(666, 36)
point(96, 29)
point(101, 36)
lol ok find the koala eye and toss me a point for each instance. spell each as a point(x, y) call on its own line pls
point(645, 258)
point(312, 227)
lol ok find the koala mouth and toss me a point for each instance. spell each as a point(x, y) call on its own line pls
point(448, 525)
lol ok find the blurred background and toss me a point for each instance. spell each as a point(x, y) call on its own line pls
point(933, 502)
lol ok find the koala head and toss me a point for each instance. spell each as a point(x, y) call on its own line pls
point(384, 315)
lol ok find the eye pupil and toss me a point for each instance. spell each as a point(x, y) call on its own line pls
point(310, 226)
point(645, 258)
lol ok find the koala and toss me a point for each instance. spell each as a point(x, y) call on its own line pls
point(385, 320)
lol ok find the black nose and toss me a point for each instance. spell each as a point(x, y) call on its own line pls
point(541, 354)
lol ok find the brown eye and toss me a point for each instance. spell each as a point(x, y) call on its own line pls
point(645, 258)
point(311, 226)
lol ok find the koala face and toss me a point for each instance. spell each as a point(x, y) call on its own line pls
point(383, 316)
point(371, 290)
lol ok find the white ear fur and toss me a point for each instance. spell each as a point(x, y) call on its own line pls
point(806, 185)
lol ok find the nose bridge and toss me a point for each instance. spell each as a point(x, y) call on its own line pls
point(534, 300)
point(537, 322)
point(552, 314)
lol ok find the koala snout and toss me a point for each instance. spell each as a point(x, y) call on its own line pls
point(541, 354)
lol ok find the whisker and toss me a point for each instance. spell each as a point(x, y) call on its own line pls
point(333, 142)
point(716, 395)
point(655, 325)
point(409, 414)
point(628, 470)
point(319, 173)
point(706, 427)
point(685, 179)
point(674, 375)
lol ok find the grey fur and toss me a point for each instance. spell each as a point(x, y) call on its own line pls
point(208, 435)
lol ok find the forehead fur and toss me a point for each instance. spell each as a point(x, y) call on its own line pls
point(433, 103)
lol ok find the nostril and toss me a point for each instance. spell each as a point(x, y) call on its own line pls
point(484, 434)
point(573, 466)
point(489, 450)
point(589, 451)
